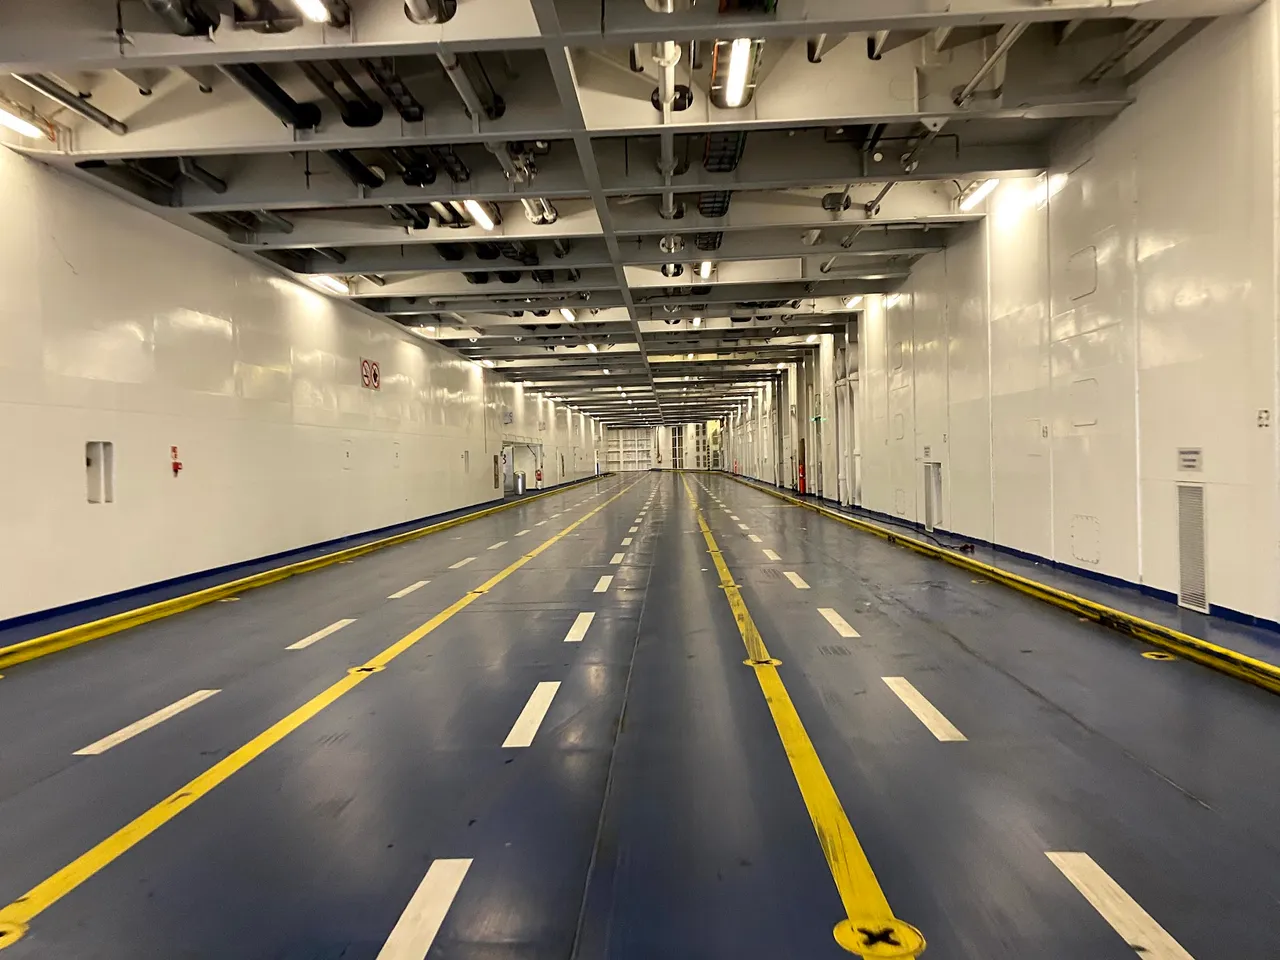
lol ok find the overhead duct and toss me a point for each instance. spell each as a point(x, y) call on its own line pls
point(415, 169)
point(430, 11)
point(73, 102)
point(186, 18)
point(363, 111)
point(260, 86)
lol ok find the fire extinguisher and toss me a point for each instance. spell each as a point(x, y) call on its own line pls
point(801, 468)
point(537, 475)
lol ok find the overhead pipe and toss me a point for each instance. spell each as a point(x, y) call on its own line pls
point(139, 79)
point(193, 171)
point(260, 86)
point(873, 208)
point(73, 102)
point(1007, 41)
point(359, 172)
point(666, 56)
point(471, 99)
point(430, 11)
point(538, 209)
point(150, 176)
point(911, 159)
point(275, 220)
point(200, 76)
point(186, 18)
point(364, 112)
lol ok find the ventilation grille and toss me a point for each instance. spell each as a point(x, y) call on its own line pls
point(1191, 574)
point(1190, 458)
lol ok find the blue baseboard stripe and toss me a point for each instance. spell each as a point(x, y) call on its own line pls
point(1219, 658)
point(82, 633)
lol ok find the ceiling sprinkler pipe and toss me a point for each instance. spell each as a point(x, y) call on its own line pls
point(666, 56)
point(60, 94)
point(1010, 38)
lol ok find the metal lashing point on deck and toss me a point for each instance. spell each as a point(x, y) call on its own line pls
point(375, 668)
point(771, 662)
point(11, 933)
point(1158, 655)
point(879, 938)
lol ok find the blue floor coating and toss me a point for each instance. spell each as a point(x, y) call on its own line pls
point(1259, 642)
point(655, 814)
point(38, 624)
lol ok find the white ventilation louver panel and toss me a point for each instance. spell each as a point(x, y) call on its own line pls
point(1192, 591)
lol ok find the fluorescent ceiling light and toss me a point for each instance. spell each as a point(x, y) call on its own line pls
point(11, 118)
point(331, 284)
point(568, 314)
point(487, 362)
point(704, 270)
point(735, 86)
point(313, 10)
point(606, 371)
point(478, 213)
point(697, 321)
point(811, 338)
point(430, 329)
point(978, 194)
point(689, 356)
point(851, 302)
point(593, 348)
point(782, 366)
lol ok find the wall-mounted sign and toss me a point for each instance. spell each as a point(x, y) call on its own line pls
point(508, 416)
point(370, 374)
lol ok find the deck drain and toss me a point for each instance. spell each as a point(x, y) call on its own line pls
point(1159, 655)
point(879, 938)
point(834, 650)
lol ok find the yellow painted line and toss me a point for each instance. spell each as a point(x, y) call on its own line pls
point(15, 918)
point(1231, 662)
point(870, 929)
point(74, 636)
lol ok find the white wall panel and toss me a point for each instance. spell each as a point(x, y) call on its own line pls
point(1021, 395)
point(967, 469)
point(116, 326)
point(929, 338)
point(1099, 319)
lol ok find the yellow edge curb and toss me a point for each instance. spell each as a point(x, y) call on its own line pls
point(1227, 661)
point(38, 647)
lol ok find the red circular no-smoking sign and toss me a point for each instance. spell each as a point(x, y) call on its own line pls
point(370, 375)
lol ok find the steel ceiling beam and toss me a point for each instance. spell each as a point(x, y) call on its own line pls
point(559, 60)
point(72, 35)
point(777, 161)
